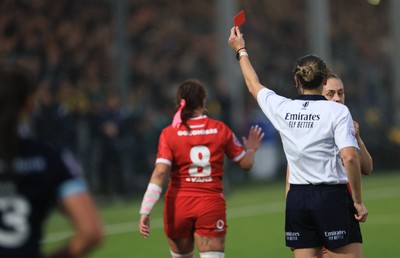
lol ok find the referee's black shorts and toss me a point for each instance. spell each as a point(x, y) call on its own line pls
point(320, 215)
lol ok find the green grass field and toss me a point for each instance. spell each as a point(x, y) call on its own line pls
point(255, 219)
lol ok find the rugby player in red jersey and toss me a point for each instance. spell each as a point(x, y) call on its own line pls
point(192, 150)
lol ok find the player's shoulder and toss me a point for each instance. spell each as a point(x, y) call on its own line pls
point(199, 123)
point(31, 147)
point(36, 156)
point(169, 129)
point(220, 126)
point(216, 122)
point(337, 108)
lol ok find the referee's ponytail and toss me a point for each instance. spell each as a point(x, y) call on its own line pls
point(311, 71)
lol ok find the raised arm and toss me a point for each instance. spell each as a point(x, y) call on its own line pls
point(237, 43)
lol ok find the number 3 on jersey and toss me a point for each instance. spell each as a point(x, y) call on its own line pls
point(200, 157)
point(14, 213)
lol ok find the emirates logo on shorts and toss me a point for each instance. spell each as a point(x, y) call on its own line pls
point(220, 225)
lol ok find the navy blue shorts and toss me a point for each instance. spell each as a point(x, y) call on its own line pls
point(320, 215)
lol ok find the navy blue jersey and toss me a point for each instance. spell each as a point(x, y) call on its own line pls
point(41, 176)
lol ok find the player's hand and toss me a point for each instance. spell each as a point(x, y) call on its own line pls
point(236, 40)
point(362, 212)
point(144, 225)
point(356, 129)
point(254, 139)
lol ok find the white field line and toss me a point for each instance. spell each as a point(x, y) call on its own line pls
point(233, 213)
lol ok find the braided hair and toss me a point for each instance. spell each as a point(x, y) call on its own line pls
point(194, 93)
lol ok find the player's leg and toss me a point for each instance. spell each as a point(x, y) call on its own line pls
point(178, 226)
point(181, 247)
point(210, 247)
point(353, 250)
point(211, 227)
point(212, 255)
point(325, 253)
point(307, 253)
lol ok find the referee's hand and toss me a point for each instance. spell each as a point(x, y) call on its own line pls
point(362, 212)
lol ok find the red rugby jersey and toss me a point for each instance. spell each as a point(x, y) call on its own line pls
point(197, 157)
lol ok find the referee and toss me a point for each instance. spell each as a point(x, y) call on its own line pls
point(320, 211)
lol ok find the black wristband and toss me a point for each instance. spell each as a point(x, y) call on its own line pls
point(237, 51)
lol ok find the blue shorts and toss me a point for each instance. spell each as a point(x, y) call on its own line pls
point(320, 215)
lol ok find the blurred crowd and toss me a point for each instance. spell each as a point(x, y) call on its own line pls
point(71, 46)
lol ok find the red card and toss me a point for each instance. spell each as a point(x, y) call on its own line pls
point(239, 18)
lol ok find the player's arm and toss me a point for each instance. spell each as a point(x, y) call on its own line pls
point(287, 185)
point(151, 197)
point(352, 165)
point(251, 145)
point(237, 43)
point(81, 211)
point(365, 158)
point(159, 175)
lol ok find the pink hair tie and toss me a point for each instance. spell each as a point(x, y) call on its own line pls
point(177, 117)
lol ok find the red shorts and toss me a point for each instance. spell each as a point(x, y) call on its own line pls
point(186, 215)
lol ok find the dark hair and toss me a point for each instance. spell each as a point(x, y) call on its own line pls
point(194, 93)
point(16, 86)
point(311, 71)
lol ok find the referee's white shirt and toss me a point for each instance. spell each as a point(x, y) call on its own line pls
point(312, 130)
